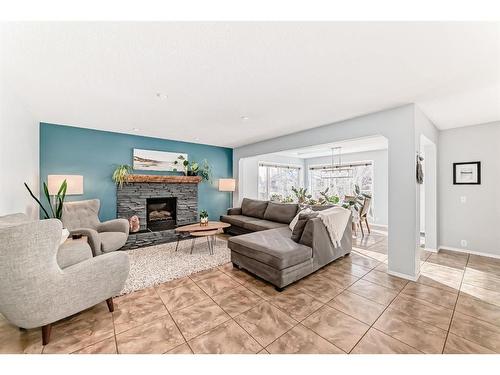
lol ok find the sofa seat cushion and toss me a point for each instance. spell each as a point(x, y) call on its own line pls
point(259, 224)
point(281, 212)
point(273, 247)
point(237, 220)
point(73, 252)
point(111, 241)
point(253, 208)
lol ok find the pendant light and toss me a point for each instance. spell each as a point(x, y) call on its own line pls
point(336, 170)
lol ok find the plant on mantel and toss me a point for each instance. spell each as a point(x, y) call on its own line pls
point(193, 168)
point(120, 174)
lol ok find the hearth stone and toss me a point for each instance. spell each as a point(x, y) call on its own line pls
point(142, 239)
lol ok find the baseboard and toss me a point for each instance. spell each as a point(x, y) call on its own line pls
point(430, 249)
point(467, 251)
point(403, 275)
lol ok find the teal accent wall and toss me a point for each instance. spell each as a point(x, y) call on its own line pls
point(95, 155)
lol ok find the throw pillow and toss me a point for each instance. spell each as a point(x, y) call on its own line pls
point(298, 229)
point(296, 218)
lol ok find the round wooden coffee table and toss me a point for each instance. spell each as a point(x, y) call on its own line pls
point(196, 230)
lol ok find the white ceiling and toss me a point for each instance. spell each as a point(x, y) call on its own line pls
point(346, 147)
point(284, 77)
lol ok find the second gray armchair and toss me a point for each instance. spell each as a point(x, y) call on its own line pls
point(82, 217)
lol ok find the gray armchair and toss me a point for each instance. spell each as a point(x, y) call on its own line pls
point(36, 291)
point(82, 217)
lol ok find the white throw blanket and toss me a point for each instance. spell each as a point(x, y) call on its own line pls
point(335, 220)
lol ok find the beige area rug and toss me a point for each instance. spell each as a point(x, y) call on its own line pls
point(160, 263)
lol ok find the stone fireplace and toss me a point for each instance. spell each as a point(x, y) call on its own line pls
point(161, 203)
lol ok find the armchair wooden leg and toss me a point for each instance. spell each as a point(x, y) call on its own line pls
point(46, 333)
point(109, 302)
point(361, 227)
point(366, 221)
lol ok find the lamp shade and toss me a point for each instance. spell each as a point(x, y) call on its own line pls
point(75, 183)
point(227, 184)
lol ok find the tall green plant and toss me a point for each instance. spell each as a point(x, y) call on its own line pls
point(56, 209)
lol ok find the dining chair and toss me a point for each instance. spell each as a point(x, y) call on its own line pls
point(363, 215)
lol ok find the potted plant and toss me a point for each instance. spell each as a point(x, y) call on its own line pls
point(193, 169)
point(120, 174)
point(301, 195)
point(357, 200)
point(205, 172)
point(203, 218)
point(328, 199)
point(56, 208)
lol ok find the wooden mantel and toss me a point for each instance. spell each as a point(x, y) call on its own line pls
point(164, 179)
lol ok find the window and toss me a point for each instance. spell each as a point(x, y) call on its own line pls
point(341, 180)
point(277, 179)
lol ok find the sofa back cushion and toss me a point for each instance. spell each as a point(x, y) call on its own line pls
point(280, 212)
point(253, 208)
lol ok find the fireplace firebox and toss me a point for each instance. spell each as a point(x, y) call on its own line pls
point(161, 213)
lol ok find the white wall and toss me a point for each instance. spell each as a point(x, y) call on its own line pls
point(398, 126)
point(380, 178)
point(477, 220)
point(249, 179)
point(19, 134)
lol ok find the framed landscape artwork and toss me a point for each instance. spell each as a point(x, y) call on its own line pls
point(150, 160)
point(468, 173)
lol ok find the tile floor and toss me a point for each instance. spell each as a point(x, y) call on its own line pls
point(350, 306)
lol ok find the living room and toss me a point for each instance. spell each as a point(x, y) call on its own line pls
point(249, 188)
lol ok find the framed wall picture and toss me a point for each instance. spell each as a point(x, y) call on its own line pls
point(151, 160)
point(468, 173)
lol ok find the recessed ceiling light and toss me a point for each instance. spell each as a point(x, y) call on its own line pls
point(136, 129)
point(159, 95)
point(244, 118)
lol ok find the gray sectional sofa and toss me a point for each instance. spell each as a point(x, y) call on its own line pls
point(262, 242)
